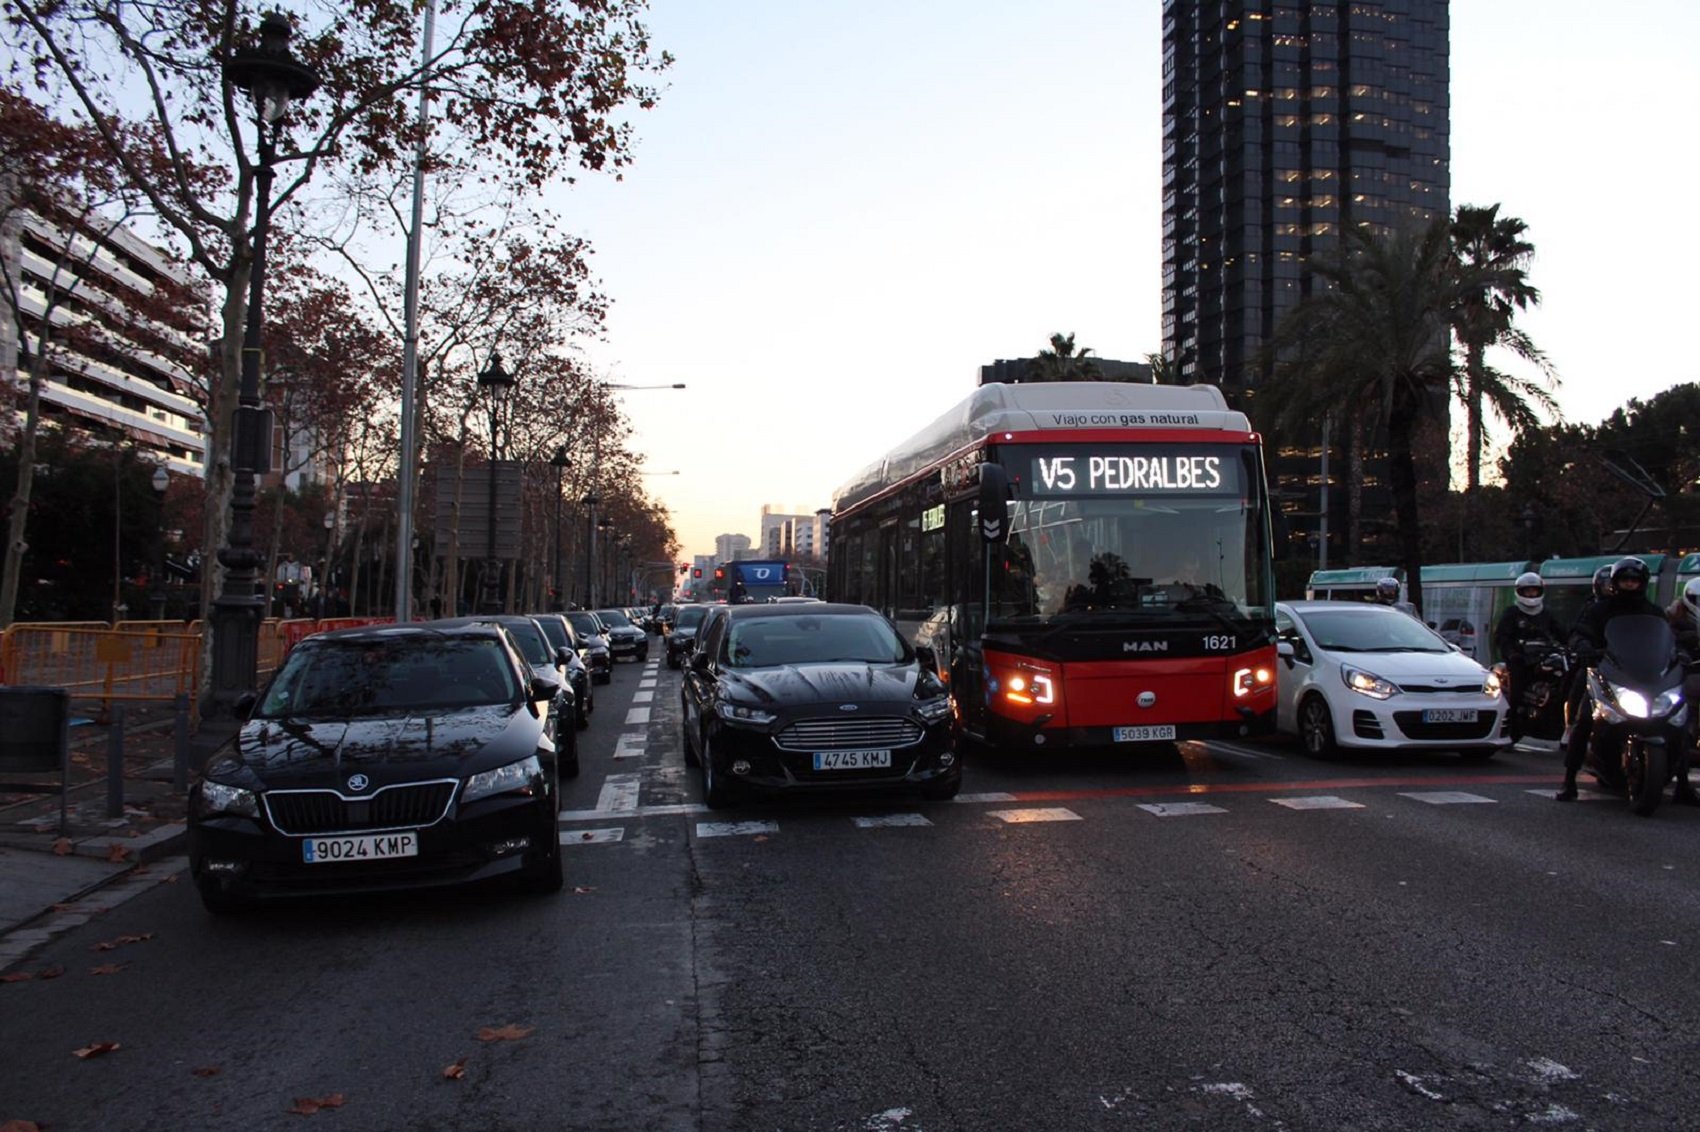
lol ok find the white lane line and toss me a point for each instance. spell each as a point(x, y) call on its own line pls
point(647, 684)
point(1021, 817)
point(1320, 802)
point(631, 745)
point(593, 836)
point(637, 715)
point(1180, 809)
point(663, 811)
point(991, 797)
point(619, 793)
point(890, 820)
point(1581, 796)
point(642, 696)
point(736, 828)
point(1446, 797)
point(1246, 752)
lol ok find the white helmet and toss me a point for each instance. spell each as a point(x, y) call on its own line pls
point(1529, 590)
point(1691, 598)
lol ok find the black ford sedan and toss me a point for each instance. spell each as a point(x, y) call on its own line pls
point(814, 697)
point(388, 757)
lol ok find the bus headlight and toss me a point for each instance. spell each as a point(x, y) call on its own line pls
point(1250, 680)
point(1030, 688)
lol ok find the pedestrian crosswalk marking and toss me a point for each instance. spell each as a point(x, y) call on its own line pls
point(642, 697)
point(646, 684)
point(1037, 814)
point(1445, 797)
point(593, 836)
point(890, 820)
point(637, 715)
point(631, 745)
point(1581, 796)
point(991, 797)
point(1180, 809)
point(736, 828)
point(1320, 802)
point(619, 793)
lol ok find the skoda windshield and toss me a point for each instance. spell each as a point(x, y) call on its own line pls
point(1149, 534)
point(351, 678)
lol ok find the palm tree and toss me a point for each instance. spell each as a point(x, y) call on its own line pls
point(1063, 362)
point(1373, 339)
point(1164, 371)
point(1490, 257)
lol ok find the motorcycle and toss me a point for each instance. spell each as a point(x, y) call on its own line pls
point(1540, 706)
point(1640, 718)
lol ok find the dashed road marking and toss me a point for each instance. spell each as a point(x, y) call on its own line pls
point(1320, 802)
point(1180, 809)
point(1446, 797)
point(1037, 814)
point(890, 820)
point(736, 828)
point(631, 745)
point(994, 796)
point(1581, 796)
point(642, 697)
point(619, 794)
point(637, 715)
point(593, 836)
point(646, 684)
point(670, 810)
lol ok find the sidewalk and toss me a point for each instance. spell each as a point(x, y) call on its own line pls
point(42, 867)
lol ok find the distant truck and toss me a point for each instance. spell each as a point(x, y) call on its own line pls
point(760, 579)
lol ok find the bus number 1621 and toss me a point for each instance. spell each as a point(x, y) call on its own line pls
point(1220, 643)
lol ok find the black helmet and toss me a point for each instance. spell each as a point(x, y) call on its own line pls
point(1629, 575)
point(1387, 590)
point(1602, 582)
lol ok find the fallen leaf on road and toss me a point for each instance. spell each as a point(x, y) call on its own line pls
point(95, 1049)
point(115, 944)
point(62, 847)
point(50, 972)
point(115, 853)
point(307, 1106)
point(108, 968)
point(20, 1126)
point(172, 879)
point(207, 1071)
point(17, 977)
point(456, 1071)
point(761, 837)
point(143, 938)
point(508, 1033)
point(583, 890)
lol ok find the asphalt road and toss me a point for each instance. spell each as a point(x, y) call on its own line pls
point(1214, 937)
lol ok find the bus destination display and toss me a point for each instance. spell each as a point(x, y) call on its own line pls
point(1121, 472)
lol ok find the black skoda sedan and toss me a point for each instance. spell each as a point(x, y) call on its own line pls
point(815, 697)
point(387, 757)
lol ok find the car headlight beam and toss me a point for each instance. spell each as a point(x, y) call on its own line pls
point(740, 713)
point(512, 778)
point(933, 710)
point(1368, 683)
point(217, 798)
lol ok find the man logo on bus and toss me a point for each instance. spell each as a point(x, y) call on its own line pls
point(1145, 646)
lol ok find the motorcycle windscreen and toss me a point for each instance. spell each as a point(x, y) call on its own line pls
point(1641, 647)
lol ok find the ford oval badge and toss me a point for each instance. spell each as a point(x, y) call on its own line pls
point(848, 707)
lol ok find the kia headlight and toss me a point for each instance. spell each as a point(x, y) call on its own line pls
point(217, 798)
point(508, 779)
point(1491, 684)
point(738, 713)
point(1368, 683)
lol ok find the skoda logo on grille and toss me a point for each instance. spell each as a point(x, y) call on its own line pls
point(847, 707)
point(358, 782)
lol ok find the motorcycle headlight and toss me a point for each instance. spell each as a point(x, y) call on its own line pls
point(738, 713)
point(217, 798)
point(1368, 683)
point(1629, 701)
point(503, 780)
point(1669, 700)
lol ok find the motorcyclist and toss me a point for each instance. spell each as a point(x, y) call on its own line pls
point(1578, 689)
point(1526, 622)
point(1684, 617)
point(1629, 581)
point(1387, 593)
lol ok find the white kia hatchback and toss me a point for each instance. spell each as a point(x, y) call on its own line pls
point(1355, 675)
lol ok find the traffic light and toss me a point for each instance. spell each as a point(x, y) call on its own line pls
point(719, 574)
point(696, 572)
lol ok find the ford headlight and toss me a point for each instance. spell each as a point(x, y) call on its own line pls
point(217, 798)
point(503, 780)
point(1368, 683)
point(933, 710)
point(738, 713)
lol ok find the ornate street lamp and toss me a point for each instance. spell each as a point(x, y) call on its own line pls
point(273, 78)
point(590, 502)
point(325, 574)
point(560, 463)
point(495, 382)
point(161, 481)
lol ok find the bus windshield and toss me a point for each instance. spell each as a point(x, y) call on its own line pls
point(1156, 533)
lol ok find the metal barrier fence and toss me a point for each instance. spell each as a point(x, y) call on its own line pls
point(136, 660)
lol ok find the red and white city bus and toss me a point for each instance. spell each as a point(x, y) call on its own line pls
point(1090, 562)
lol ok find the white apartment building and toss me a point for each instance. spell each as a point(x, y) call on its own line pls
point(730, 548)
point(145, 390)
point(796, 535)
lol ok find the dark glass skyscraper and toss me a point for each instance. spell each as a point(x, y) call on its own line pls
point(1283, 122)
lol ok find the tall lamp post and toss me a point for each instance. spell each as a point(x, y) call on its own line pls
point(590, 502)
point(496, 382)
point(274, 78)
point(161, 481)
point(325, 573)
point(603, 539)
point(560, 463)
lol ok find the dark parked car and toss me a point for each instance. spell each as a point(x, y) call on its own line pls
point(814, 697)
point(593, 644)
point(386, 757)
point(684, 634)
point(559, 630)
point(625, 638)
point(534, 648)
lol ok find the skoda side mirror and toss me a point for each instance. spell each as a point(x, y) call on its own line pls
point(243, 708)
point(563, 656)
point(542, 689)
point(699, 661)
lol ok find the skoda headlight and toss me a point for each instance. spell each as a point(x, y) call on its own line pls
point(933, 710)
point(217, 798)
point(502, 780)
point(1368, 683)
point(738, 713)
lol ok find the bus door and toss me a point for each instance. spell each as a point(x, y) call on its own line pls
point(889, 569)
point(966, 568)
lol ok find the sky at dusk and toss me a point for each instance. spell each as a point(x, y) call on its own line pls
point(840, 210)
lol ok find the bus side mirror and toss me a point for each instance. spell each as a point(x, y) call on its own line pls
point(994, 503)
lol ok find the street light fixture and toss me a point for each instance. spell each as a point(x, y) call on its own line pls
point(560, 463)
point(273, 78)
point(161, 481)
point(325, 571)
point(496, 382)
